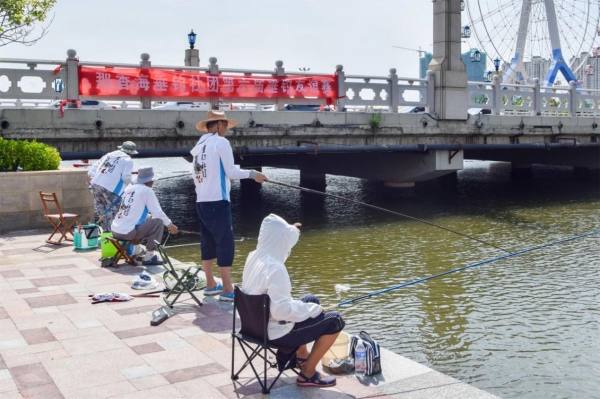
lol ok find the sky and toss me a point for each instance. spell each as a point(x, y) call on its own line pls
point(318, 34)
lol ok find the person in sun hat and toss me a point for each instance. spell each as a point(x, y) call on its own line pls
point(108, 178)
point(213, 169)
point(132, 222)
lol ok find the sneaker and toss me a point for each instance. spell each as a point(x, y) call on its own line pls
point(144, 281)
point(214, 290)
point(227, 297)
point(154, 261)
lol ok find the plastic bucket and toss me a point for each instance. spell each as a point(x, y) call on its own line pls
point(106, 248)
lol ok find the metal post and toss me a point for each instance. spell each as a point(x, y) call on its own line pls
point(72, 75)
point(537, 97)
point(573, 98)
point(145, 63)
point(496, 95)
point(213, 69)
point(340, 104)
point(279, 71)
point(394, 96)
point(430, 100)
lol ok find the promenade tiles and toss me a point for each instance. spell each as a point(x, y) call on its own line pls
point(55, 344)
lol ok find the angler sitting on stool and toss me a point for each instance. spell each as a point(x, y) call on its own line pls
point(293, 323)
point(132, 222)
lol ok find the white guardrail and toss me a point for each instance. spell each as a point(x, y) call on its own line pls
point(42, 83)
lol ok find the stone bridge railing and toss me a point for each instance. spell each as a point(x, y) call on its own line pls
point(25, 83)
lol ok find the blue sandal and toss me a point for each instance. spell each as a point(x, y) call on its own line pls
point(317, 380)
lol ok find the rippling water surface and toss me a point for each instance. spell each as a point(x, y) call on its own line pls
point(524, 327)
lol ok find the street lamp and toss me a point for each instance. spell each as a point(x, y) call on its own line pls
point(497, 64)
point(191, 38)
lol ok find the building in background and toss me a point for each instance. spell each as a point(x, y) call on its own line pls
point(589, 73)
point(537, 68)
point(475, 62)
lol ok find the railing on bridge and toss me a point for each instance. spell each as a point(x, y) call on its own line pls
point(36, 83)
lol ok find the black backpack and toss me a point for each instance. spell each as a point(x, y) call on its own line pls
point(373, 352)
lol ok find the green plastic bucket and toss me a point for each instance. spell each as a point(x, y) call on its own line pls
point(106, 248)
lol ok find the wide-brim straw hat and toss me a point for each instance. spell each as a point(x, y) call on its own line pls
point(213, 116)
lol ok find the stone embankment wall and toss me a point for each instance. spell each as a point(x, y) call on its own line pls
point(20, 204)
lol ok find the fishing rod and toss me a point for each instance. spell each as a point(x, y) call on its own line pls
point(395, 287)
point(310, 190)
point(197, 233)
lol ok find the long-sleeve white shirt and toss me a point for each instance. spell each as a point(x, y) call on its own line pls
point(214, 168)
point(112, 171)
point(265, 273)
point(138, 201)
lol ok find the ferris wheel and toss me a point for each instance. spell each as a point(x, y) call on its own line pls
point(515, 31)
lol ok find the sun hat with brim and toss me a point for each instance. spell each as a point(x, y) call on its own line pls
point(145, 175)
point(128, 147)
point(214, 116)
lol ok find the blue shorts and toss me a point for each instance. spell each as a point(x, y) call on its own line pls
point(217, 232)
point(311, 329)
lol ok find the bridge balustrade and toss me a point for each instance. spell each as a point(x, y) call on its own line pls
point(36, 83)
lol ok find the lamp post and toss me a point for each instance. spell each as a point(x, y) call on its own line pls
point(192, 55)
point(497, 62)
point(191, 39)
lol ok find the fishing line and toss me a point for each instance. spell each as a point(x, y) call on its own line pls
point(310, 190)
point(395, 287)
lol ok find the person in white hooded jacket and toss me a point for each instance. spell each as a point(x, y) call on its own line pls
point(293, 323)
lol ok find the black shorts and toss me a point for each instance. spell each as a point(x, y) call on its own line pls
point(311, 329)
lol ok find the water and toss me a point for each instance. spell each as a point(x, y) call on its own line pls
point(524, 327)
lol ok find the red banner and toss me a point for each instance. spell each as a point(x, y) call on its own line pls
point(165, 83)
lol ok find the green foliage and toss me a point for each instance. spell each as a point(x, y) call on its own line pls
point(27, 155)
point(18, 19)
point(375, 121)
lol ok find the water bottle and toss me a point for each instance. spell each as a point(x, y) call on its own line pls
point(360, 359)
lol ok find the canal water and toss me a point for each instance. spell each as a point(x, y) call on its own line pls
point(525, 327)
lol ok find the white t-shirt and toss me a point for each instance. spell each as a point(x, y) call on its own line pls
point(112, 171)
point(138, 201)
point(214, 168)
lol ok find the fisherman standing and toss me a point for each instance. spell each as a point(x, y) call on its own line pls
point(108, 178)
point(213, 170)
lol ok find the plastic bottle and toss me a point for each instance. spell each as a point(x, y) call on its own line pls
point(360, 359)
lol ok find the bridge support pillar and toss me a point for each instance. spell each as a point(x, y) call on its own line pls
point(450, 95)
point(521, 171)
point(313, 179)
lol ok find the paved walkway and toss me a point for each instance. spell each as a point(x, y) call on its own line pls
point(55, 344)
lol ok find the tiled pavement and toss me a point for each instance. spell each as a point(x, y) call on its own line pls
point(55, 344)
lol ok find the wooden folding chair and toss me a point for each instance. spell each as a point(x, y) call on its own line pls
point(121, 247)
point(61, 222)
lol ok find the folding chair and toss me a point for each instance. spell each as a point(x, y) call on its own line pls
point(186, 280)
point(253, 338)
point(61, 222)
point(121, 247)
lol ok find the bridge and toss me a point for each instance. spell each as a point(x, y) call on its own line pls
point(390, 128)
